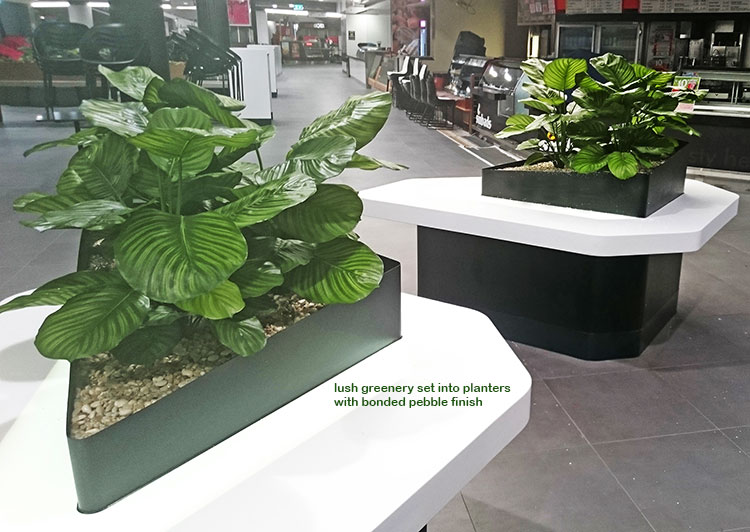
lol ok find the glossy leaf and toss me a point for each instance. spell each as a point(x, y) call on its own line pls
point(322, 157)
point(268, 200)
point(366, 162)
point(93, 214)
point(286, 254)
point(561, 73)
point(41, 203)
point(590, 159)
point(623, 165)
point(257, 277)
point(172, 258)
point(58, 291)
point(126, 119)
point(131, 80)
point(224, 301)
point(332, 211)
point(81, 138)
point(162, 315)
point(244, 337)
point(105, 168)
point(614, 68)
point(360, 117)
point(534, 69)
point(175, 117)
point(91, 323)
point(148, 344)
point(341, 271)
point(181, 93)
point(515, 124)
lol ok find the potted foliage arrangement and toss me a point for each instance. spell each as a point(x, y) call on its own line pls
point(191, 262)
point(600, 145)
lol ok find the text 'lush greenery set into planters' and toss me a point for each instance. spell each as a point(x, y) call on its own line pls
point(190, 257)
point(602, 137)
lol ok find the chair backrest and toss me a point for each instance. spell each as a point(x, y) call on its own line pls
point(114, 45)
point(431, 95)
point(415, 67)
point(416, 88)
point(405, 66)
point(57, 41)
point(206, 58)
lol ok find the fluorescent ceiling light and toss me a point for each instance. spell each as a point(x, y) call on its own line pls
point(187, 8)
point(97, 4)
point(334, 15)
point(50, 4)
point(287, 12)
point(166, 6)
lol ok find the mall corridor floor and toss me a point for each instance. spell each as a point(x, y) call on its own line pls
point(657, 443)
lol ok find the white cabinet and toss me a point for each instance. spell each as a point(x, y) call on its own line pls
point(255, 86)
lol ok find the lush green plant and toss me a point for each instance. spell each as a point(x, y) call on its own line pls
point(585, 124)
point(191, 235)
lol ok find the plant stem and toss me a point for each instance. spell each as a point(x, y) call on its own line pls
point(260, 161)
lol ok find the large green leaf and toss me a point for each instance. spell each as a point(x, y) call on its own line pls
point(333, 211)
point(172, 258)
point(148, 344)
point(534, 69)
point(341, 271)
point(614, 68)
point(360, 117)
point(257, 277)
point(81, 138)
point(162, 315)
point(131, 80)
point(181, 93)
point(561, 73)
point(515, 124)
point(230, 104)
point(126, 119)
point(224, 301)
point(365, 162)
point(590, 159)
point(323, 157)
point(93, 214)
point(41, 203)
point(286, 254)
point(176, 117)
point(151, 97)
point(70, 183)
point(244, 337)
point(92, 322)
point(623, 165)
point(268, 200)
point(58, 291)
point(105, 168)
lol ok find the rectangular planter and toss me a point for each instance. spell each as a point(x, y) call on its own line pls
point(142, 447)
point(641, 195)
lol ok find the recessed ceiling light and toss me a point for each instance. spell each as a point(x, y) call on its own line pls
point(50, 4)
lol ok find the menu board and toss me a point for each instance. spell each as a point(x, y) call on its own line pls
point(694, 6)
point(585, 7)
point(532, 12)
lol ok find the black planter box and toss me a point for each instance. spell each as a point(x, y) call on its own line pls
point(641, 195)
point(142, 447)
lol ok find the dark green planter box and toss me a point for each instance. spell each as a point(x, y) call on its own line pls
point(142, 447)
point(641, 195)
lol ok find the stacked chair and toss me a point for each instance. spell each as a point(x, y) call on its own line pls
point(417, 96)
point(208, 60)
point(56, 47)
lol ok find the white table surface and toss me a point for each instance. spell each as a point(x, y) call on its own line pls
point(309, 466)
point(456, 204)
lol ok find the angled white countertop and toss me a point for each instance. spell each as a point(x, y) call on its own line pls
point(456, 204)
point(309, 466)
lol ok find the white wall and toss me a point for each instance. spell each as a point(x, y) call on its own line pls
point(368, 28)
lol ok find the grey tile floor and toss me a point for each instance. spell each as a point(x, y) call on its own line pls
point(656, 443)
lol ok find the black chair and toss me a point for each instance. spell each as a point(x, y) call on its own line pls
point(394, 77)
point(56, 47)
point(208, 60)
point(114, 46)
point(441, 105)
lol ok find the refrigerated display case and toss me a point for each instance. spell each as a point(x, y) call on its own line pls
point(584, 40)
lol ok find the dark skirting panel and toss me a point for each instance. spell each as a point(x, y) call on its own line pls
point(593, 308)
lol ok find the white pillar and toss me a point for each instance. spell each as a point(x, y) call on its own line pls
point(261, 19)
point(81, 13)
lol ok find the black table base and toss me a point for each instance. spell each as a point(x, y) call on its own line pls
point(592, 308)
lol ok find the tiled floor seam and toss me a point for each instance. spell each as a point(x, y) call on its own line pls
point(696, 365)
point(606, 465)
point(468, 512)
point(716, 427)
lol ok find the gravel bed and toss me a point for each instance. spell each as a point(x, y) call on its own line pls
point(115, 390)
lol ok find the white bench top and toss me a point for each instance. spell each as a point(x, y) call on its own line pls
point(309, 466)
point(456, 204)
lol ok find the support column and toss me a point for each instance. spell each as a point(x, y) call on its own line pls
point(148, 16)
point(213, 20)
